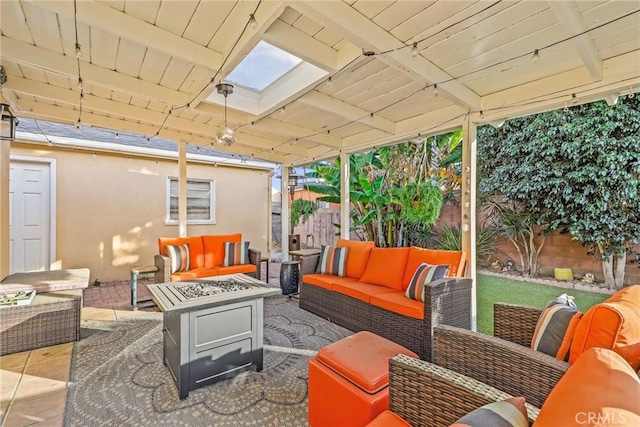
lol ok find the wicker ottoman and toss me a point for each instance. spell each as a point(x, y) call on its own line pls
point(52, 318)
point(349, 380)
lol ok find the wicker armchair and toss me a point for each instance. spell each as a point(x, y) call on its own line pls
point(504, 361)
point(424, 394)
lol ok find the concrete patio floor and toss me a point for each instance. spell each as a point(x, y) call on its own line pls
point(33, 384)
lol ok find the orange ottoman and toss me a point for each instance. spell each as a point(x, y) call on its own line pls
point(349, 379)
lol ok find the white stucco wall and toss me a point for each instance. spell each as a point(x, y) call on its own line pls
point(111, 208)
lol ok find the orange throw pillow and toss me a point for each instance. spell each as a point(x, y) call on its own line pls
point(613, 324)
point(600, 389)
point(386, 267)
point(358, 256)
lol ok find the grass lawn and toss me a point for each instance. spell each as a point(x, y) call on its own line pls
point(497, 289)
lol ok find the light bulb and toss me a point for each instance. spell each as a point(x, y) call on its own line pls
point(117, 136)
point(78, 123)
point(574, 98)
point(371, 117)
point(535, 56)
point(329, 82)
point(78, 50)
point(225, 135)
point(252, 21)
point(481, 114)
point(435, 90)
point(414, 50)
point(282, 110)
point(80, 83)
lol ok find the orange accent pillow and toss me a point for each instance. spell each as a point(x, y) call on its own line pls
point(418, 256)
point(358, 256)
point(599, 389)
point(214, 248)
point(613, 324)
point(386, 267)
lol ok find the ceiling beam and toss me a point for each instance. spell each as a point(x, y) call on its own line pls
point(130, 112)
point(619, 74)
point(113, 21)
point(570, 18)
point(294, 131)
point(27, 54)
point(37, 110)
point(348, 111)
point(303, 46)
point(363, 32)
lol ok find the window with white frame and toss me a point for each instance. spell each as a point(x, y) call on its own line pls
point(200, 201)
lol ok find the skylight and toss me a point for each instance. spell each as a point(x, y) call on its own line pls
point(262, 66)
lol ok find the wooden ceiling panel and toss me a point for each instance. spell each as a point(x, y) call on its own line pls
point(62, 81)
point(197, 78)
point(399, 12)
point(290, 15)
point(12, 21)
point(115, 4)
point(608, 37)
point(43, 24)
point(144, 10)
point(12, 68)
point(33, 73)
point(373, 86)
point(353, 76)
point(371, 9)
point(429, 18)
point(174, 16)
point(307, 26)
point(206, 20)
point(121, 97)
point(130, 58)
point(620, 48)
point(391, 96)
point(158, 106)
point(104, 49)
point(611, 11)
point(328, 37)
point(154, 66)
point(232, 26)
point(176, 73)
point(136, 101)
point(99, 91)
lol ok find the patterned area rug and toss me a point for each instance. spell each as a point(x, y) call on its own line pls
point(118, 378)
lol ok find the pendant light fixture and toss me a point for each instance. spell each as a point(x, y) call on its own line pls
point(225, 135)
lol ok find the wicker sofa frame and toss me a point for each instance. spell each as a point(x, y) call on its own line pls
point(447, 302)
point(504, 361)
point(426, 395)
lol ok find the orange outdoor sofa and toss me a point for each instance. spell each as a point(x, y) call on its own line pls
point(371, 295)
point(206, 258)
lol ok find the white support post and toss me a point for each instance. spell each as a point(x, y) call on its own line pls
point(285, 211)
point(468, 214)
point(4, 208)
point(345, 200)
point(182, 188)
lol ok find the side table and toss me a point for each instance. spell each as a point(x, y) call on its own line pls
point(137, 270)
point(308, 258)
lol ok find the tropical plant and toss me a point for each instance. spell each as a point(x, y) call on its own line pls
point(301, 210)
point(450, 239)
point(575, 170)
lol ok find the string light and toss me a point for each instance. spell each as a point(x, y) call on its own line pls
point(414, 50)
point(566, 108)
point(252, 21)
point(117, 136)
point(631, 94)
point(80, 83)
point(435, 89)
point(282, 110)
point(574, 98)
point(481, 114)
point(78, 123)
point(78, 51)
point(371, 117)
point(329, 82)
point(535, 56)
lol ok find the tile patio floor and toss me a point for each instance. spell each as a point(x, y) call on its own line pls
point(33, 384)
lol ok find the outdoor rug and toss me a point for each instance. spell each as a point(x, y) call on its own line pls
point(118, 377)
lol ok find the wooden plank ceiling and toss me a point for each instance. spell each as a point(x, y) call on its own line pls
point(147, 66)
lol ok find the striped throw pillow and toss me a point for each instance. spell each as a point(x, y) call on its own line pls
point(178, 256)
point(424, 274)
point(556, 327)
point(333, 260)
point(235, 253)
point(508, 413)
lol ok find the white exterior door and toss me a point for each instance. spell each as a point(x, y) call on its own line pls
point(30, 216)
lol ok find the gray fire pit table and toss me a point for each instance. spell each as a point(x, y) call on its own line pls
point(213, 327)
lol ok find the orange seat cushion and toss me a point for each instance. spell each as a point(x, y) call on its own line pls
point(386, 267)
point(600, 388)
point(399, 303)
point(194, 273)
point(370, 373)
point(613, 324)
point(388, 419)
point(196, 248)
point(321, 280)
point(214, 248)
point(454, 259)
point(234, 269)
point(357, 256)
point(359, 290)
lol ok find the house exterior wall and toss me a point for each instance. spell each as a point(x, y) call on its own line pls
point(111, 208)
